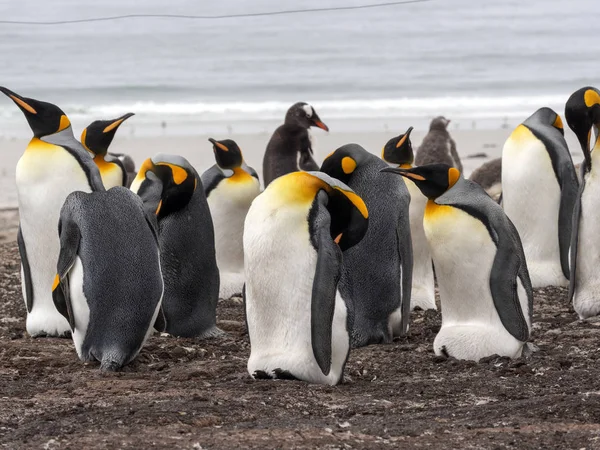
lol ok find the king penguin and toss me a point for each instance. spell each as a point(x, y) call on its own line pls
point(53, 165)
point(108, 284)
point(539, 189)
point(96, 138)
point(582, 112)
point(295, 232)
point(485, 292)
point(172, 191)
point(377, 272)
point(398, 152)
point(230, 186)
point(290, 148)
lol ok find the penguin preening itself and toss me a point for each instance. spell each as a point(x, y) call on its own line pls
point(295, 232)
point(96, 138)
point(377, 272)
point(53, 165)
point(438, 146)
point(172, 191)
point(539, 190)
point(290, 148)
point(398, 152)
point(485, 292)
point(582, 112)
point(230, 186)
point(108, 284)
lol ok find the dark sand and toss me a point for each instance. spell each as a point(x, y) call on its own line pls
point(182, 393)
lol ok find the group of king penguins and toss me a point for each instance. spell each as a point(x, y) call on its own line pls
point(327, 258)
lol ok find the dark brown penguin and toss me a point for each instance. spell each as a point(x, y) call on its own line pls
point(438, 147)
point(290, 148)
point(489, 177)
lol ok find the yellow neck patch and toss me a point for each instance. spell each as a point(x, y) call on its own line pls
point(348, 165)
point(591, 98)
point(103, 165)
point(453, 176)
point(179, 174)
point(434, 211)
point(64, 123)
point(356, 201)
point(23, 105)
point(240, 176)
point(406, 166)
point(55, 283)
point(558, 123)
point(113, 125)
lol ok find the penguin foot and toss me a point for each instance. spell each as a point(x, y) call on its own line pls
point(261, 375)
point(212, 333)
point(284, 375)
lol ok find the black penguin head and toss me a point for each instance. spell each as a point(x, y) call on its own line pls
point(227, 153)
point(99, 134)
point(44, 118)
point(342, 163)
point(305, 116)
point(547, 116)
point(582, 112)
point(166, 183)
point(399, 150)
point(432, 179)
point(440, 123)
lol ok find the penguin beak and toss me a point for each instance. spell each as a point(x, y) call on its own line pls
point(19, 101)
point(218, 145)
point(316, 120)
point(404, 138)
point(115, 124)
point(405, 173)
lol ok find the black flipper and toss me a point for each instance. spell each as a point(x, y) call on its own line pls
point(26, 271)
point(70, 236)
point(569, 194)
point(575, 234)
point(406, 264)
point(327, 275)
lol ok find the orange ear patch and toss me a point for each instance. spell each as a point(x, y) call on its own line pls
point(179, 174)
point(23, 105)
point(591, 98)
point(558, 123)
point(453, 176)
point(348, 165)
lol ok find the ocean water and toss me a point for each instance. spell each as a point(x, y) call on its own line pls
point(483, 64)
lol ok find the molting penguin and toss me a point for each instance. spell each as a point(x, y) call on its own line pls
point(229, 186)
point(582, 112)
point(485, 291)
point(489, 177)
point(96, 138)
point(295, 232)
point(109, 284)
point(398, 152)
point(171, 189)
point(539, 189)
point(377, 273)
point(438, 146)
point(54, 165)
point(290, 148)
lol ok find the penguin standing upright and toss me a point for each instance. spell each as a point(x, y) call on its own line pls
point(54, 165)
point(377, 272)
point(539, 189)
point(398, 152)
point(290, 148)
point(172, 191)
point(108, 283)
point(438, 146)
point(582, 112)
point(96, 138)
point(485, 292)
point(295, 232)
point(229, 186)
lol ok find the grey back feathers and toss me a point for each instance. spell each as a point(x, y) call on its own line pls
point(509, 263)
point(122, 280)
point(488, 174)
point(438, 146)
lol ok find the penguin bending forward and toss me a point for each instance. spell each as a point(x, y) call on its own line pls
point(290, 148)
point(96, 138)
point(230, 186)
point(108, 284)
point(485, 292)
point(582, 112)
point(54, 165)
point(398, 152)
point(172, 192)
point(377, 273)
point(295, 232)
point(539, 189)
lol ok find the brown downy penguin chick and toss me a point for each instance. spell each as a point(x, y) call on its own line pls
point(489, 177)
point(290, 148)
point(438, 146)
